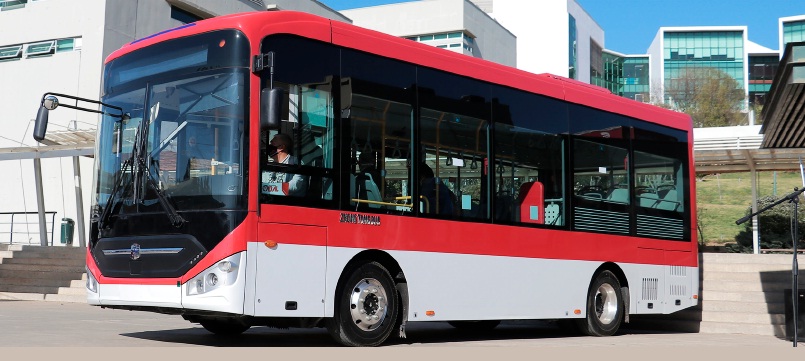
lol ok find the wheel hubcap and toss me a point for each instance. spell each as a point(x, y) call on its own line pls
point(606, 303)
point(368, 304)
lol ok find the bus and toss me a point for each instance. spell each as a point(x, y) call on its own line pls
point(282, 169)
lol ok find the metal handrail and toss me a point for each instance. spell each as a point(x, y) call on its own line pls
point(11, 229)
point(727, 143)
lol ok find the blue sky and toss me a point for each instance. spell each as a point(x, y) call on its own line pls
point(630, 25)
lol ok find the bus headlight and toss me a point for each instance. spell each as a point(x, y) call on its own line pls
point(222, 274)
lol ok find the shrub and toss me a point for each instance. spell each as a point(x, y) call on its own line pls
point(776, 228)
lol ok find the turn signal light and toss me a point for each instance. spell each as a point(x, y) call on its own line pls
point(271, 244)
point(695, 297)
point(430, 313)
point(576, 312)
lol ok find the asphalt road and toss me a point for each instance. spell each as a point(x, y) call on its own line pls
point(64, 328)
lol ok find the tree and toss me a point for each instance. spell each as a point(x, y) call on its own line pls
point(710, 96)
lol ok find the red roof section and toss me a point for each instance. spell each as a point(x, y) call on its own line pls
point(257, 25)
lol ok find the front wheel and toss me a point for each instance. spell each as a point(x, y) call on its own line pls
point(366, 307)
point(604, 306)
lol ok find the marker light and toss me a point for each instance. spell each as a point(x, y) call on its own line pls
point(225, 266)
point(430, 313)
point(695, 297)
point(92, 283)
point(576, 312)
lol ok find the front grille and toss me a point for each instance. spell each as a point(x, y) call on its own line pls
point(164, 256)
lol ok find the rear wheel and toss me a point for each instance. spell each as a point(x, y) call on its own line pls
point(224, 327)
point(604, 306)
point(366, 307)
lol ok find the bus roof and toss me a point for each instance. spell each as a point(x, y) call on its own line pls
point(257, 25)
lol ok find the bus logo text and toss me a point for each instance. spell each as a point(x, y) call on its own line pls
point(360, 219)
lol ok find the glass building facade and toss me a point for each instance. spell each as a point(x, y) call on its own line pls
point(626, 76)
point(635, 78)
point(761, 74)
point(572, 47)
point(688, 53)
point(611, 74)
point(793, 31)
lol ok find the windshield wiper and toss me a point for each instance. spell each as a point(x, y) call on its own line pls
point(137, 164)
point(175, 218)
point(141, 166)
point(106, 214)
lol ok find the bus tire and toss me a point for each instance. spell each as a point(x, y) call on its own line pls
point(224, 327)
point(604, 306)
point(475, 326)
point(366, 307)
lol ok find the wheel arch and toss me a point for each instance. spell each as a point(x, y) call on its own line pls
point(387, 261)
point(397, 275)
point(615, 269)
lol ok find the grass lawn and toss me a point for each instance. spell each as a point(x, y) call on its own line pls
point(723, 198)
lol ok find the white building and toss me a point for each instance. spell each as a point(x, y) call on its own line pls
point(59, 46)
point(553, 36)
point(456, 25)
point(560, 39)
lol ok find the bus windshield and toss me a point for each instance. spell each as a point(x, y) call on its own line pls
point(188, 120)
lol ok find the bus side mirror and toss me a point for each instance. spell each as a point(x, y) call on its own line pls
point(270, 108)
point(41, 124)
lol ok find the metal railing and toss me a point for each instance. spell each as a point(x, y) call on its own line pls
point(24, 223)
point(728, 143)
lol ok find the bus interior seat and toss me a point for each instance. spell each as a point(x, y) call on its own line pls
point(648, 200)
point(363, 186)
point(669, 201)
point(620, 195)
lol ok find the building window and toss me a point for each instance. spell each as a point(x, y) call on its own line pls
point(184, 16)
point(40, 49)
point(572, 47)
point(12, 4)
point(10, 52)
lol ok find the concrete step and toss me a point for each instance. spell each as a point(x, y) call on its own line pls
point(16, 296)
point(724, 285)
point(742, 328)
point(18, 260)
point(45, 282)
point(745, 258)
point(43, 268)
point(10, 247)
point(82, 298)
point(776, 276)
point(744, 307)
point(27, 289)
point(744, 318)
point(73, 291)
point(59, 255)
point(62, 276)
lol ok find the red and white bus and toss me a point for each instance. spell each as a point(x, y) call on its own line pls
point(282, 169)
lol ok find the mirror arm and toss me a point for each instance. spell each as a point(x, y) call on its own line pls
point(77, 99)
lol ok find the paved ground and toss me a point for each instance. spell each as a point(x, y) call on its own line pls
point(28, 326)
